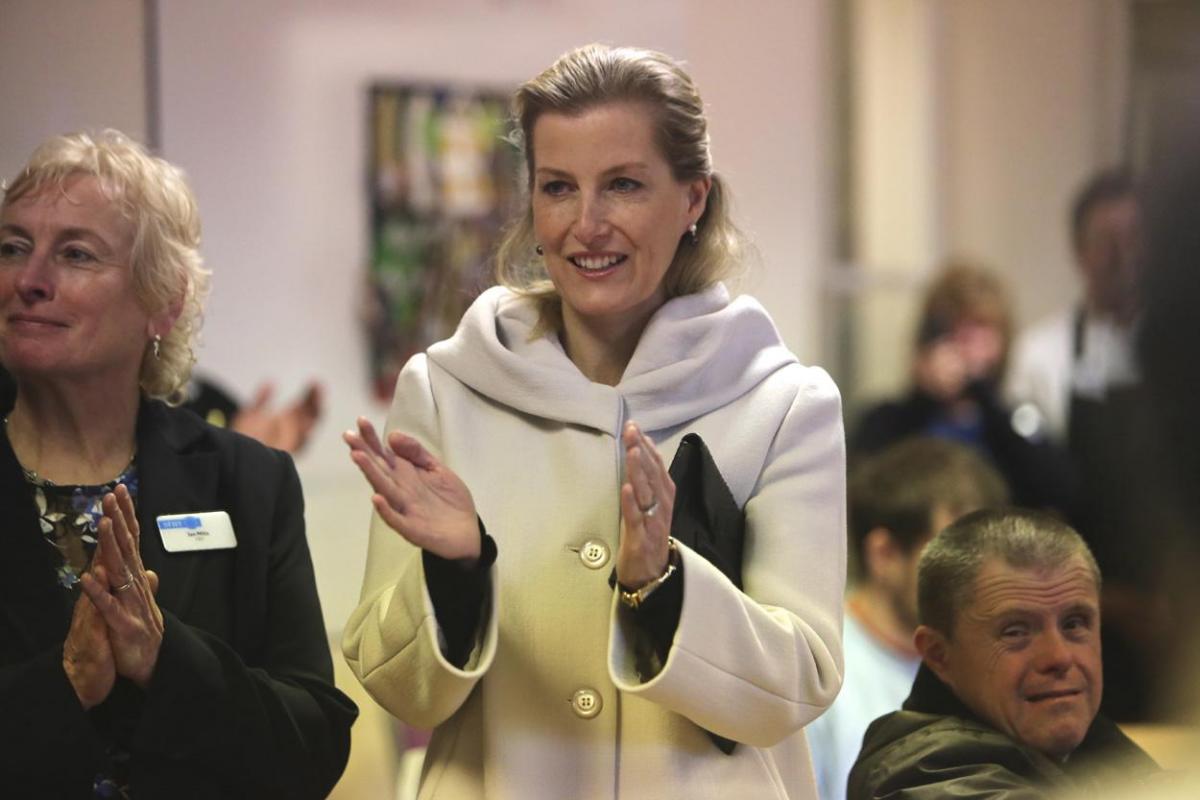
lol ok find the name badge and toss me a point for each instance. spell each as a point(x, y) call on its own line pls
point(209, 530)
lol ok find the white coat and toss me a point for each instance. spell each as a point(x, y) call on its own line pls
point(538, 445)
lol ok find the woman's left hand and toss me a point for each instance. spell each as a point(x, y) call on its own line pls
point(647, 503)
point(123, 590)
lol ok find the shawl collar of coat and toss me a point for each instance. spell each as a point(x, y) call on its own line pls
point(699, 352)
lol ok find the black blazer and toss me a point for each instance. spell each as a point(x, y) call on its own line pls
point(242, 702)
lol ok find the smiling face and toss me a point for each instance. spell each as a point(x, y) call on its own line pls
point(67, 303)
point(1025, 655)
point(608, 213)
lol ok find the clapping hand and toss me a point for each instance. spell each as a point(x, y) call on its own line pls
point(416, 495)
point(945, 366)
point(647, 505)
point(287, 428)
point(940, 371)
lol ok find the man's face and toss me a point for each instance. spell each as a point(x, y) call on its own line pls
point(1025, 655)
point(1107, 256)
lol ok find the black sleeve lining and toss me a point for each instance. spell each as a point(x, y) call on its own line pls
point(459, 594)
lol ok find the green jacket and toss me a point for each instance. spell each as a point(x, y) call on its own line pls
point(935, 747)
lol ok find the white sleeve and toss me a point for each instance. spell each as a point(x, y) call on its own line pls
point(755, 666)
point(1020, 383)
point(1039, 372)
point(391, 641)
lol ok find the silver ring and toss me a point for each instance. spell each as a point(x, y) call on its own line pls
point(651, 509)
point(125, 585)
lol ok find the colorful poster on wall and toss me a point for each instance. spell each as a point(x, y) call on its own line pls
point(442, 185)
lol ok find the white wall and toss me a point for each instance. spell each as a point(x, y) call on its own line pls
point(895, 145)
point(1034, 101)
point(68, 65)
point(765, 71)
point(264, 104)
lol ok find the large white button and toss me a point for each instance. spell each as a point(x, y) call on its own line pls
point(594, 554)
point(586, 703)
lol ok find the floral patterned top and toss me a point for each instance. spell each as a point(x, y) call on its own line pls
point(70, 516)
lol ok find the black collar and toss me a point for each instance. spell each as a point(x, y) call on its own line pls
point(930, 696)
point(1103, 742)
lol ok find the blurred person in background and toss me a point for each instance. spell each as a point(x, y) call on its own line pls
point(1081, 356)
point(285, 427)
point(574, 618)
point(1167, 354)
point(160, 633)
point(898, 499)
point(959, 360)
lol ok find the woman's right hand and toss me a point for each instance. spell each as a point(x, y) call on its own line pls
point(416, 495)
point(87, 655)
point(940, 371)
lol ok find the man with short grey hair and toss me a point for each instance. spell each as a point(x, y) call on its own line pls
point(1005, 702)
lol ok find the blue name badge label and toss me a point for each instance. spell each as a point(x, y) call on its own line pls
point(208, 530)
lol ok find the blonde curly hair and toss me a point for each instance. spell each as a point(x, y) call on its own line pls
point(165, 257)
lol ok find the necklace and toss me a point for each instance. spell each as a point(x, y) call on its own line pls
point(32, 476)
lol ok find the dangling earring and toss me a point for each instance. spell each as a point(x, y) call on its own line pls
point(692, 232)
point(157, 345)
point(538, 249)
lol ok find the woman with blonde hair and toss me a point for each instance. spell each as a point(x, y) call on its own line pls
point(959, 358)
point(161, 634)
point(574, 618)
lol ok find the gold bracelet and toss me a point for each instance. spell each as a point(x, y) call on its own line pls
point(635, 598)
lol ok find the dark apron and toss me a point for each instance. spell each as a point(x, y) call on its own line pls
point(1109, 441)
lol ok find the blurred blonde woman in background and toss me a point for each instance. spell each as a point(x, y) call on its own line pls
point(961, 352)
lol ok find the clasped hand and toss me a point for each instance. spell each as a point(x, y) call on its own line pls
point(117, 626)
point(647, 508)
